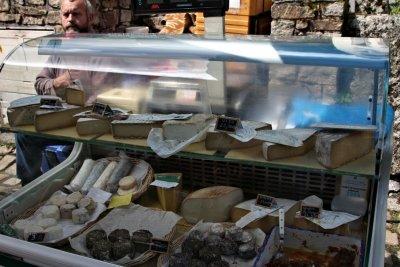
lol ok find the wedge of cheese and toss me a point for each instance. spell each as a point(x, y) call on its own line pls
point(185, 129)
point(334, 149)
point(273, 151)
point(211, 204)
point(75, 97)
point(46, 120)
point(91, 126)
point(22, 111)
point(131, 128)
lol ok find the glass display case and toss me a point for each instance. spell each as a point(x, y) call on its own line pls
point(328, 84)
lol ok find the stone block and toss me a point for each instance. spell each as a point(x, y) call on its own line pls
point(391, 238)
point(327, 25)
point(301, 24)
point(125, 4)
point(53, 17)
point(126, 16)
point(5, 17)
point(6, 161)
point(31, 11)
point(109, 20)
point(35, 2)
point(282, 27)
point(333, 10)
point(4, 5)
point(109, 3)
point(291, 11)
point(32, 21)
point(54, 3)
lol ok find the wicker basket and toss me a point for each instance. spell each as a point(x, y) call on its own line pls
point(143, 188)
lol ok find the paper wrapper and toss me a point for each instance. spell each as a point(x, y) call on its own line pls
point(332, 219)
point(156, 117)
point(232, 260)
point(307, 240)
point(132, 218)
point(165, 148)
point(287, 137)
point(69, 228)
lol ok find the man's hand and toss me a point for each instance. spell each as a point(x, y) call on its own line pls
point(65, 79)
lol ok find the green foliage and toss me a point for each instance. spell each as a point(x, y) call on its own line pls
point(395, 8)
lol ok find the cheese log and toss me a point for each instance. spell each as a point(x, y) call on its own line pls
point(335, 149)
point(130, 128)
point(185, 129)
point(123, 168)
point(273, 151)
point(103, 179)
point(22, 111)
point(79, 179)
point(46, 120)
point(75, 97)
point(95, 174)
point(211, 204)
point(90, 126)
point(270, 221)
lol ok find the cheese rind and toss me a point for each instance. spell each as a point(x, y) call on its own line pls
point(80, 216)
point(75, 96)
point(336, 149)
point(211, 204)
point(91, 126)
point(74, 198)
point(66, 211)
point(273, 151)
point(185, 129)
point(31, 230)
point(131, 128)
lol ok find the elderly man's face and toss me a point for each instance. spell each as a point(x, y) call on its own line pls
point(74, 17)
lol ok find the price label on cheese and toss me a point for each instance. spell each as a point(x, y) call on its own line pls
point(266, 201)
point(102, 109)
point(54, 102)
point(227, 124)
point(36, 237)
point(159, 245)
point(310, 212)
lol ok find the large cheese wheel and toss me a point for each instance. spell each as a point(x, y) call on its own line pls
point(211, 204)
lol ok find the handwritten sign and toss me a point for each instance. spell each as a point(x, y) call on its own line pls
point(310, 212)
point(159, 245)
point(36, 237)
point(102, 109)
point(266, 201)
point(53, 102)
point(227, 124)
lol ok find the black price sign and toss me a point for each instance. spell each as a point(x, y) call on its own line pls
point(54, 102)
point(159, 245)
point(310, 212)
point(36, 237)
point(266, 201)
point(227, 124)
point(102, 109)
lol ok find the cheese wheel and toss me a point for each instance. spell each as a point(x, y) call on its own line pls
point(50, 211)
point(128, 182)
point(80, 216)
point(79, 179)
point(66, 211)
point(211, 204)
point(19, 227)
point(58, 200)
point(32, 229)
point(122, 192)
point(53, 233)
point(47, 222)
point(74, 198)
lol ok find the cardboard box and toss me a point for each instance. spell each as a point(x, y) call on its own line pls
point(248, 8)
point(229, 20)
point(228, 29)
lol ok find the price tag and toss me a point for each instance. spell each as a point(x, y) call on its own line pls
point(102, 109)
point(310, 212)
point(266, 201)
point(53, 102)
point(227, 124)
point(159, 245)
point(36, 237)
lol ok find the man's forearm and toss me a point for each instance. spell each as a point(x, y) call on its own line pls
point(44, 86)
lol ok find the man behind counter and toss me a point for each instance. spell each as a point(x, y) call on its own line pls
point(76, 16)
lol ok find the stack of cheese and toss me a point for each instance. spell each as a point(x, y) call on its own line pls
point(46, 220)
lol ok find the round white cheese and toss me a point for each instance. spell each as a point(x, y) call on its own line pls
point(19, 226)
point(50, 211)
point(53, 233)
point(66, 211)
point(80, 216)
point(58, 200)
point(74, 198)
point(47, 222)
point(128, 182)
point(32, 229)
point(87, 203)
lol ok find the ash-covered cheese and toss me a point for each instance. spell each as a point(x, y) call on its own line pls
point(211, 204)
point(53, 233)
point(80, 216)
point(58, 200)
point(217, 229)
point(50, 211)
point(66, 211)
point(247, 251)
point(79, 179)
point(20, 225)
point(74, 198)
point(32, 229)
point(95, 174)
point(46, 223)
point(105, 176)
point(121, 170)
point(87, 203)
point(185, 129)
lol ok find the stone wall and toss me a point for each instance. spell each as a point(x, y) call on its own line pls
point(113, 15)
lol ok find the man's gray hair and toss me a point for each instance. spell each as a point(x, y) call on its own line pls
point(89, 6)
